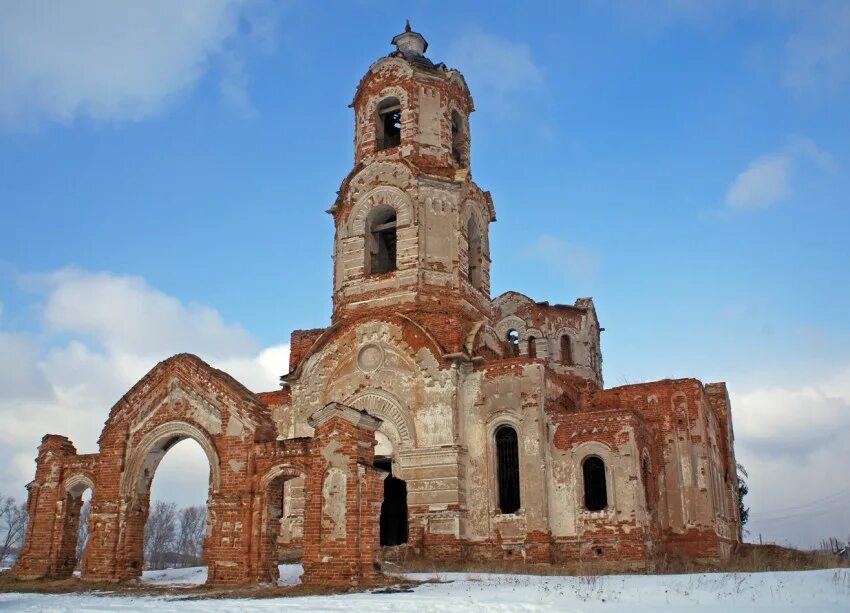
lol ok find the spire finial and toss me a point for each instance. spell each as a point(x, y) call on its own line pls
point(410, 42)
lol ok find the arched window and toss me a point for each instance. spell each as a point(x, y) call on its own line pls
point(532, 347)
point(566, 350)
point(513, 342)
point(473, 237)
point(458, 134)
point(507, 469)
point(595, 489)
point(388, 124)
point(381, 240)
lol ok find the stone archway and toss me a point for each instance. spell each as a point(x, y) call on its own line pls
point(138, 476)
point(183, 398)
point(281, 514)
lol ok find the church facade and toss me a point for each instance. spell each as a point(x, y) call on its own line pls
point(493, 412)
point(493, 433)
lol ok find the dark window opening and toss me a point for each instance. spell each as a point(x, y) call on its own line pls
point(595, 489)
point(389, 124)
point(532, 347)
point(473, 236)
point(393, 508)
point(457, 138)
point(513, 342)
point(566, 350)
point(644, 469)
point(381, 239)
point(507, 469)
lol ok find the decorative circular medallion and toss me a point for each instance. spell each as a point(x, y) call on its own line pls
point(370, 358)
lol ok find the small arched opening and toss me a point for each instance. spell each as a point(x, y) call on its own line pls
point(507, 469)
point(283, 521)
point(459, 146)
point(512, 338)
point(566, 350)
point(388, 124)
point(532, 347)
point(595, 487)
point(79, 490)
point(381, 239)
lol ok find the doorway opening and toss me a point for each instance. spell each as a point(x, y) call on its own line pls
point(393, 508)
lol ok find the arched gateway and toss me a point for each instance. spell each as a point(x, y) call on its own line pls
point(183, 397)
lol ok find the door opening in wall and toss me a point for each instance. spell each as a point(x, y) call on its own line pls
point(393, 508)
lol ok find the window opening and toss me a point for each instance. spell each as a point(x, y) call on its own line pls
point(507, 469)
point(566, 350)
point(644, 468)
point(389, 124)
point(513, 342)
point(381, 237)
point(595, 489)
point(457, 138)
point(532, 347)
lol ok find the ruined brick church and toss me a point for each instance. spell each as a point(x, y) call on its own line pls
point(427, 420)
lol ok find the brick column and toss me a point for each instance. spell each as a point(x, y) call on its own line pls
point(44, 553)
point(343, 500)
point(106, 551)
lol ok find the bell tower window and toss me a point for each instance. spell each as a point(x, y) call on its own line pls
point(457, 138)
point(381, 240)
point(513, 342)
point(389, 124)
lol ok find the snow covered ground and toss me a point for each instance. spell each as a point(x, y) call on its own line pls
point(822, 591)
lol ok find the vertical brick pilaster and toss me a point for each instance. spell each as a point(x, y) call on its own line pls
point(343, 500)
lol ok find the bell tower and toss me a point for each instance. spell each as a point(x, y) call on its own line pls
point(411, 224)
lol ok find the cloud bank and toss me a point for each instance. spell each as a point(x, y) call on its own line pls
point(111, 61)
point(100, 333)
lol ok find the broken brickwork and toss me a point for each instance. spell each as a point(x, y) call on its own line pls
point(180, 398)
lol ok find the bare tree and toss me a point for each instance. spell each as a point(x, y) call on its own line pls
point(190, 537)
point(13, 524)
point(83, 531)
point(160, 533)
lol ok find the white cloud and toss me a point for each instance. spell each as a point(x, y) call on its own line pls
point(494, 65)
point(573, 261)
point(103, 332)
point(126, 315)
point(763, 183)
point(766, 179)
point(792, 441)
point(106, 60)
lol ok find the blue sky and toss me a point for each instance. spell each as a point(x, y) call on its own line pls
point(164, 174)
